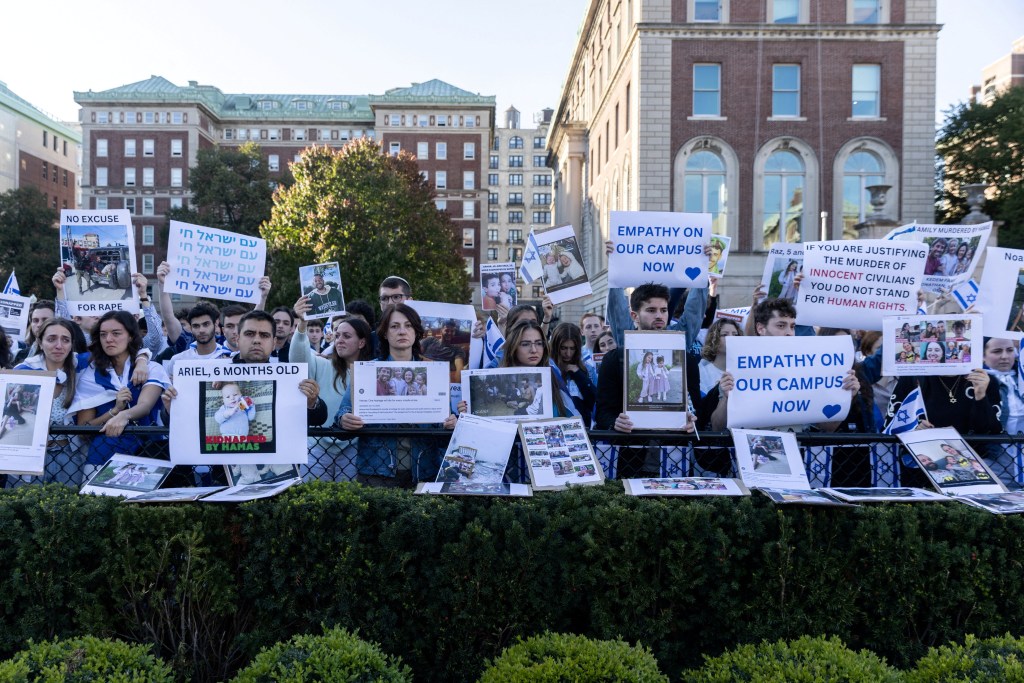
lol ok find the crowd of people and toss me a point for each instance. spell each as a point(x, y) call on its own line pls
point(114, 371)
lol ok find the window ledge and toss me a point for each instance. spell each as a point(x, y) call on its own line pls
point(867, 118)
point(787, 118)
point(707, 118)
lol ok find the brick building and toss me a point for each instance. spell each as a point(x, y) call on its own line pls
point(139, 141)
point(772, 115)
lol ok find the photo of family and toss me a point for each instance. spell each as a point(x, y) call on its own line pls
point(130, 476)
point(237, 417)
point(563, 265)
point(655, 379)
point(17, 425)
point(322, 284)
point(950, 463)
point(950, 256)
point(941, 341)
point(410, 381)
point(498, 286)
point(768, 454)
point(98, 262)
point(517, 394)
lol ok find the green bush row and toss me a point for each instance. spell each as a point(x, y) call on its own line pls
point(447, 584)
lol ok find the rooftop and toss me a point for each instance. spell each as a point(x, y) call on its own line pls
point(10, 100)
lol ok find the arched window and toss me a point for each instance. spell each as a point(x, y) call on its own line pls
point(862, 168)
point(784, 210)
point(862, 162)
point(704, 188)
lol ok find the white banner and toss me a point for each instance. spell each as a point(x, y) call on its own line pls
point(214, 264)
point(238, 413)
point(931, 345)
point(953, 251)
point(1001, 297)
point(788, 381)
point(97, 254)
point(25, 420)
point(399, 392)
point(854, 284)
point(659, 246)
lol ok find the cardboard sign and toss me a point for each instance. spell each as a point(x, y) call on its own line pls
point(658, 246)
point(214, 264)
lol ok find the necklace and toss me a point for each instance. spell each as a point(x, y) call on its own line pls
point(949, 390)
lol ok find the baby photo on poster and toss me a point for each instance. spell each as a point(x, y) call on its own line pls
point(238, 417)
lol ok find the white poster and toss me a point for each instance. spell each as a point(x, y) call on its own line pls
point(659, 246)
point(719, 257)
point(563, 272)
point(399, 392)
point(322, 284)
point(953, 251)
point(448, 335)
point(25, 420)
point(498, 286)
point(769, 459)
point(478, 451)
point(738, 315)
point(654, 384)
point(931, 345)
point(853, 284)
point(1001, 297)
point(685, 486)
point(559, 454)
point(788, 381)
point(951, 465)
point(97, 255)
point(508, 394)
point(244, 492)
point(785, 261)
point(214, 264)
point(127, 476)
point(14, 316)
point(238, 413)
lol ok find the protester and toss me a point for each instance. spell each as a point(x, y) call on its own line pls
point(39, 312)
point(284, 323)
point(568, 372)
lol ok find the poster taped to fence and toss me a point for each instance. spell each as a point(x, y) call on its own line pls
point(931, 345)
point(1001, 297)
point(953, 251)
point(686, 486)
point(238, 413)
point(559, 454)
point(214, 264)
point(448, 336)
point(563, 272)
point(769, 459)
point(478, 451)
point(659, 246)
point(654, 382)
point(25, 421)
point(788, 381)
point(128, 476)
point(97, 257)
point(14, 312)
point(853, 284)
point(398, 392)
point(508, 394)
point(950, 464)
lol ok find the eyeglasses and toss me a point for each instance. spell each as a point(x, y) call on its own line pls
point(392, 298)
point(531, 344)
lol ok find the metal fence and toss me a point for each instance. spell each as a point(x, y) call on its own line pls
point(404, 456)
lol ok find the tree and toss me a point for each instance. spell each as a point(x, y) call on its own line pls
point(371, 212)
point(29, 240)
point(984, 143)
point(231, 189)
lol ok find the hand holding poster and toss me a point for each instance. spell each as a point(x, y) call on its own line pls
point(97, 253)
point(854, 284)
point(322, 284)
point(238, 413)
point(214, 263)
point(561, 262)
point(953, 251)
point(719, 256)
point(788, 381)
point(659, 246)
point(931, 345)
point(785, 261)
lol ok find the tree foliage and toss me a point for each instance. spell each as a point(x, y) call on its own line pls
point(231, 189)
point(371, 212)
point(28, 240)
point(984, 143)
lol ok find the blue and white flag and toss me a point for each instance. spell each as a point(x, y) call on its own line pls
point(532, 266)
point(910, 411)
point(493, 341)
point(12, 285)
point(966, 294)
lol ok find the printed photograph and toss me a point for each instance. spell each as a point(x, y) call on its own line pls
point(507, 395)
point(1016, 321)
point(950, 463)
point(683, 484)
point(768, 454)
point(467, 464)
point(97, 262)
point(941, 341)
point(21, 403)
point(130, 476)
point(802, 496)
point(886, 494)
point(719, 255)
point(237, 417)
point(563, 468)
point(259, 474)
point(446, 340)
point(585, 470)
point(655, 379)
point(950, 256)
point(999, 503)
point(322, 284)
point(783, 280)
point(410, 381)
point(477, 488)
point(497, 288)
point(563, 265)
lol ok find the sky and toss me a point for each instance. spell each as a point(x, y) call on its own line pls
point(517, 51)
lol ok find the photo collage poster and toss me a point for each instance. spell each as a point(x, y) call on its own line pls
point(954, 251)
point(558, 453)
point(97, 257)
point(25, 420)
point(931, 345)
point(399, 392)
point(322, 284)
point(654, 381)
point(509, 394)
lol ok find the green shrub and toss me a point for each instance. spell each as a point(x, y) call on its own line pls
point(975, 661)
point(553, 657)
point(805, 660)
point(335, 657)
point(85, 660)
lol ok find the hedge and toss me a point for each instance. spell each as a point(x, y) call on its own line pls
point(84, 660)
point(558, 657)
point(448, 583)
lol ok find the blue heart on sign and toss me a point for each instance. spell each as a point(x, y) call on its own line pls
point(831, 410)
point(692, 272)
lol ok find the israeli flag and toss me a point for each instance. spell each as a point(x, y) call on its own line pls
point(906, 417)
point(532, 266)
point(966, 294)
point(12, 285)
point(492, 342)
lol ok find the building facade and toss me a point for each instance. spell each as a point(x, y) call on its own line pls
point(1004, 73)
point(140, 140)
point(37, 151)
point(771, 115)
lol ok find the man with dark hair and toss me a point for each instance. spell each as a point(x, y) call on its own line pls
point(315, 333)
point(201, 319)
point(774, 318)
point(324, 298)
point(284, 323)
point(230, 316)
point(393, 290)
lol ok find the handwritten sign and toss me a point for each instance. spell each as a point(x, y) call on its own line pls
point(854, 284)
point(213, 263)
point(659, 246)
point(786, 381)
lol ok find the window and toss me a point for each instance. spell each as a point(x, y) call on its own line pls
point(273, 164)
point(65, 145)
point(861, 170)
point(542, 198)
point(542, 217)
point(324, 134)
point(441, 150)
point(129, 148)
point(422, 150)
point(867, 12)
point(274, 133)
point(541, 180)
point(176, 177)
point(148, 235)
point(707, 89)
point(301, 105)
point(785, 11)
point(148, 206)
point(786, 90)
point(147, 177)
point(539, 142)
point(468, 180)
point(65, 173)
point(46, 138)
point(177, 202)
point(468, 234)
point(147, 263)
point(867, 80)
point(229, 134)
point(441, 180)
point(515, 254)
point(103, 117)
point(148, 117)
point(515, 161)
point(707, 10)
point(492, 217)
point(783, 198)
point(148, 148)
point(129, 177)
point(515, 179)
point(492, 197)
point(101, 203)
point(176, 148)
point(441, 204)
point(163, 117)
point(469, 150)
point(492, 254)
point(515, 142)
point(394, 148)
point(539, 160)
point(176, 117)
point(492, 178)
point(129, 205)
point(443, 120)
point(704, 188)
point(425, 175)
point(515, 198)
point(493, 162)
point(469, 209)
point(242, 134)
point(515, 236)
point(101, 177)
point(626, 117)
point(496, 145)
point(46, 171)
point(101, 147)
point(298, 133)
point(492, 234)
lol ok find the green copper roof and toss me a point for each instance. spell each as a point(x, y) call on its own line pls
point(10, 100)
point(433, 91)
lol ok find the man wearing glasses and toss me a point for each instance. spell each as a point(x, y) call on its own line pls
point(394, 290)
